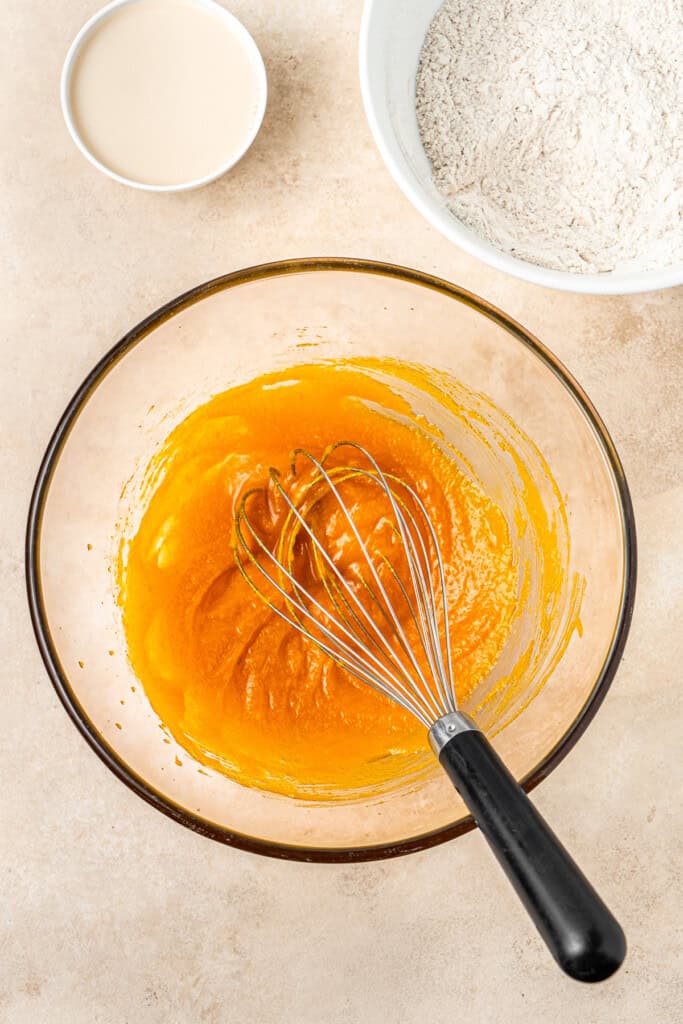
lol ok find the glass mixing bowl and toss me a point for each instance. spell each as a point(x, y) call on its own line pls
point(238, 327)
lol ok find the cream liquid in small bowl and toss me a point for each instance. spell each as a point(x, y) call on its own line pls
point(164, 93)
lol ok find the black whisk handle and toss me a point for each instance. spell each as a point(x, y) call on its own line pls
point(579, 930)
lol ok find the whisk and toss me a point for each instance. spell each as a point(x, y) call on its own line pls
point(384, 618)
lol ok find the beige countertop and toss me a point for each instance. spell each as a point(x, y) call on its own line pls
point(109, 912)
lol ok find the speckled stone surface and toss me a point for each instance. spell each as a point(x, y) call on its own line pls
point(110, 913)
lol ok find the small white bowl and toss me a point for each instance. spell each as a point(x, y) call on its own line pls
point(236, 27)
point(391, 37)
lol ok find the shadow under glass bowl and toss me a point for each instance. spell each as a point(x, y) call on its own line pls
point(226, 332)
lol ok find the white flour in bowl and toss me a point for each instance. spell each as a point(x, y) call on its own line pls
point(555, 127)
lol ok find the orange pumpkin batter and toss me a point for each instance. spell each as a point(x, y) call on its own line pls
point(236, 686)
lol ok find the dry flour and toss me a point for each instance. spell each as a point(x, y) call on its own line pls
point(555, 127)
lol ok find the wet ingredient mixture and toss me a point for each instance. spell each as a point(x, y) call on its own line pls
point(237, 687)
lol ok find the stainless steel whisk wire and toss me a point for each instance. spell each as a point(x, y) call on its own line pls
point(580, 931)
point(357, 651)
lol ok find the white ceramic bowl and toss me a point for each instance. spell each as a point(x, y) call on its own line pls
point(392, 33)
point(239, 31)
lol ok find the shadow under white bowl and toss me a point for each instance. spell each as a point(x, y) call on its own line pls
point(392, 33)
point(235, 26)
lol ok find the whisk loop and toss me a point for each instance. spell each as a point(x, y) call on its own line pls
point(361, 626)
